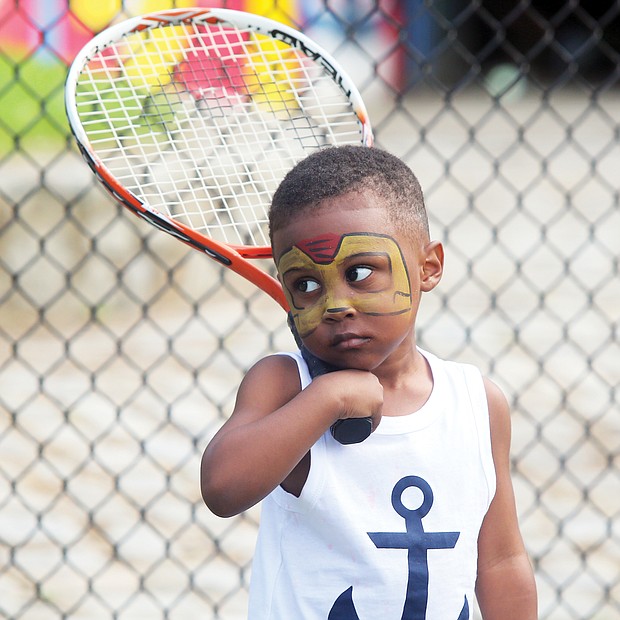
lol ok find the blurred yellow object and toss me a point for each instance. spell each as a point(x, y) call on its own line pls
point(154, 54)
point(285, 11)
point(274, 69)
point(272, 75)
point(141, 7)
point(95, 15)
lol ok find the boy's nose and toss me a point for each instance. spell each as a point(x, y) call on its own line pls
point(337, 312)
point(338, 302)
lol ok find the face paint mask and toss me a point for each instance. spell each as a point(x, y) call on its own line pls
point(326, 258)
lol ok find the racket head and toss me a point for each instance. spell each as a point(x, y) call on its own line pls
point(191, 117)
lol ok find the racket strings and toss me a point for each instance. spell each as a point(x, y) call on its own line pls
point(203, 121)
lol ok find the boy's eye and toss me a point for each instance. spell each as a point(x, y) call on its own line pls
point(358, 273)
point(307, 286)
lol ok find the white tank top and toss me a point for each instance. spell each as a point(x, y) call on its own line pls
point(387, 528)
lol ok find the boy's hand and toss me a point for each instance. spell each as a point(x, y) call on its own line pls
point(347, 429)
point(357, 397)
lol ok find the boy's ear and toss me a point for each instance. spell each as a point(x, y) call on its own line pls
point(432, 266)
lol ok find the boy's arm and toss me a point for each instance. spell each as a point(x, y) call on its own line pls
point(273, 426)
point(505, 587)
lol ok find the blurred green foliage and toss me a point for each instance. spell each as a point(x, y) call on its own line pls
point(32, 113)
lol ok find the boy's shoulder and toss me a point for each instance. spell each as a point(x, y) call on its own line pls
point(275, 368)
point(481, 388)
point(278, 361)
point(451, 365)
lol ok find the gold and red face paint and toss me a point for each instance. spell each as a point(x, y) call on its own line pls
point(326, 260)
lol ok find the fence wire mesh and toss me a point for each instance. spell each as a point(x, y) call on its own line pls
point(121, 350)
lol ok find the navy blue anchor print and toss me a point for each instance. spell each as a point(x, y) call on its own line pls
point(418, 543)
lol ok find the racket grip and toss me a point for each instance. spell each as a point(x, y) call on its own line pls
point(351, 430)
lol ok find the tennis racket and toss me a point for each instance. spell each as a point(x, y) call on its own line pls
point(192, 117)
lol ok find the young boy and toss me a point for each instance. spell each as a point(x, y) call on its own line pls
point(412, 521)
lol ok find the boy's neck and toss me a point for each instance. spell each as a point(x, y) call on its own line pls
point(407, 382)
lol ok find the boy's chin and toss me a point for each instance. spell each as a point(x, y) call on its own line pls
point(321, 365)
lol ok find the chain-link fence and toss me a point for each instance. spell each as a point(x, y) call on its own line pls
point(120, 349)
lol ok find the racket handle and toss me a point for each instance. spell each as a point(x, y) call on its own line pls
point(351, 430)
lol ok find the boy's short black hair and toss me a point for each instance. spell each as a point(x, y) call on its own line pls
point(338, 170)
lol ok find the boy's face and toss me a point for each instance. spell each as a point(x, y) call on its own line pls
point(352, 281)
point(375, 275)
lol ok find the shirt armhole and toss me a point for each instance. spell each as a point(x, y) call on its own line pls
point(480, 407)
point(314, 484)
point(302, 367)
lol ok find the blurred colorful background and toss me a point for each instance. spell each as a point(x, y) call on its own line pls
point(40, 38)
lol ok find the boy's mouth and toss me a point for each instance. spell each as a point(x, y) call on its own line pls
point(349, 340)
